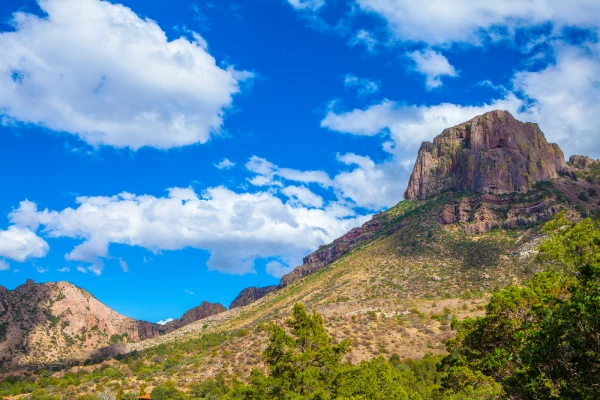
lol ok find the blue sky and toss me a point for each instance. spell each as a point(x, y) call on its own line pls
point(160, 154)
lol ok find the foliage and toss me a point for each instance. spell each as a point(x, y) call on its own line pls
point(168, 391)
point(541, 340)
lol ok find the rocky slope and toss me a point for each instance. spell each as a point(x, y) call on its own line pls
point(204, 310)
point(57, 322)
point(250, 295)
point(490, 153)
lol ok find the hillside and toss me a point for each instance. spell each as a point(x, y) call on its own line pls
point(57, 322)
point(394, 284)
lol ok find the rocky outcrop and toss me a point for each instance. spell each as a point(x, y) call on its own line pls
point(492, 153)
point(204, 310)
point(581, 161)
point(330, 253)
point(250, 295)
point(57, 322)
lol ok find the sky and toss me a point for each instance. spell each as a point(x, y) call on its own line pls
point(159, 154)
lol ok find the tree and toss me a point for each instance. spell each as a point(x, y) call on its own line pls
point(302, 364)
point(167, 391)
point(541, 340)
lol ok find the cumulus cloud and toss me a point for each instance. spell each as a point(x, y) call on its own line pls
point(277, 269)
point(364, 87)
point(225, 164)
point(302, 196)
point(131, 88)
point(236, 228)
point(447, 21)
point(433, 65)
point(568, 110)
point(4, 266)
point(64, 269)
point(165, 321)
point(20, 243)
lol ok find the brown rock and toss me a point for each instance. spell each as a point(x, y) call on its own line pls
point(490, 153)
point(204, 310)
point(581, 161)
point(250, 295)
point(328, 254)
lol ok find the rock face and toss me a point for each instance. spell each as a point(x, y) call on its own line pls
point(490, 153)
point(328, 254)
point(478, 215)
point(250, 295)
point(56, 322)
point(204, 310)
point(582, 161)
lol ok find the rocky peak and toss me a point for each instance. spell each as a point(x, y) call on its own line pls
point(204, 310)
point(250, 295)
point(492, 153)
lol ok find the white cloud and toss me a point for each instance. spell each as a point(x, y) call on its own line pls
point(302, 196)
point(370, 185)
point(224, 164)
point(364, 37)
point(433, 65)
point(164, 322)
point(64, 269)
point(364, 87)
point(236, 228)
point(267, 173)
point(124, 265)
point(447, 21)
point(82, 269)
point(564, 98)
point(41, 270)
point(277, 269)
point(131, 88)
point(20, 243)
point(310, 5)
point(189, 292)
point(4, 266)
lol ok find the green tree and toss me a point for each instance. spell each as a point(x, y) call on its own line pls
point(167, 392)
point(302, 364)
point(541, 340)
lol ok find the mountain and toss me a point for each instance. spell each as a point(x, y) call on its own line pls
point(204, 310)
point(490, 153)
point(250, 295)
point(394, 284)
point(58, 322)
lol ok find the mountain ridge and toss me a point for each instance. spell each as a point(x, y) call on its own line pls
point(447, 245)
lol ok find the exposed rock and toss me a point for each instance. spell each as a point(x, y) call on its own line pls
point(581, 161)
point(56, 322)
point(204, 310)
point(250, 295)
point(436, 278)
point(328, 254)
point(490, 153)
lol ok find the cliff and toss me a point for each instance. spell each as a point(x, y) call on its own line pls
point(492, 153)
point(250, 295)
point(204, 310)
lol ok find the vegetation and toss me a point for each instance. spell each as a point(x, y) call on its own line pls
point(539, 341)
